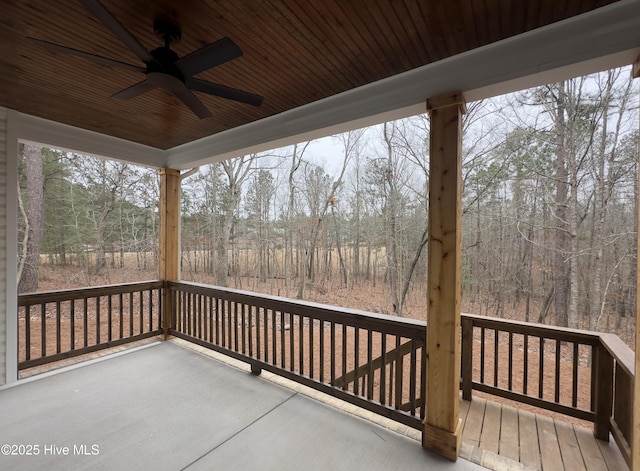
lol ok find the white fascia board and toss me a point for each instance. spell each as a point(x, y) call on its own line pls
point(479, 73)
point(65, 137)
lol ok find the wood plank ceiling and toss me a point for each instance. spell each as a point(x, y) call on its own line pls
point(295, 52)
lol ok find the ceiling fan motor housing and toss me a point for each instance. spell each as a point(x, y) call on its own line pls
point(164, 64)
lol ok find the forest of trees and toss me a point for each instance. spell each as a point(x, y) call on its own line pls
point(549, 210)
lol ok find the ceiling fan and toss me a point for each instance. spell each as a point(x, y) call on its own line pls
point(163, 68)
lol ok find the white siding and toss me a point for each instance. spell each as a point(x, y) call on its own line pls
point(3, 244)
point(8, 231)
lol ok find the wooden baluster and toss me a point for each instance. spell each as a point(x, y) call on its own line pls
point(311, 347)
point(383, 368)
point(85, 321)
point(27, 332)
point(541, 368)
point(344, 358)
point(399, 373)
point(141, 313)
point(482, 332)
point(72, 325)
point(356, 360)
point(120, 316)
point(58, 326)
point(370, 364)
point(525, 370)
point(322, 351)
point(574, 377)
point(496, 356)
point(109, 325)
point(282, 345)
point(467, 357)
point(510, 373)
point(557, 383)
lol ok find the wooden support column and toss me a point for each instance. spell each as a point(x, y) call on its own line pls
point(442, 432)
point(169, 242)
point(635, 420)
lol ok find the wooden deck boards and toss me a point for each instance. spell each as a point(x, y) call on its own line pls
point(537, 442)
point(529, 454)
point(510, 434)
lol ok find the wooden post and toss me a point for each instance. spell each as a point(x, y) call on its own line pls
point(467, 358)
point(169, 237)
point(603, 391)
point(635, 419)
point(442, 432)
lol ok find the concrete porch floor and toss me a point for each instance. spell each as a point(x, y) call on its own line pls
point(166, 407)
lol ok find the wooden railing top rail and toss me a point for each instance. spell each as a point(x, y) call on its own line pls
point(392, 325)
point(537, 330)
point(624, 356)
point(41, 297)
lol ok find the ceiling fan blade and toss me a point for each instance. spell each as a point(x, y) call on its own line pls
point(209, 56)
point(223, 91)
point(118, 30)
point(86, 55)
point(192, 102)
point(134, 90)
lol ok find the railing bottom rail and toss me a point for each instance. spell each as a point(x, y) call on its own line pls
point(84, 350)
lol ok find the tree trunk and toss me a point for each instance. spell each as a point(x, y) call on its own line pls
point(560, 269)
point(343, 269)
point(391, 230)
point(34, 214)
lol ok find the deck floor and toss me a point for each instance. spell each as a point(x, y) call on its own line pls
point(165, 407)
point(494, 432)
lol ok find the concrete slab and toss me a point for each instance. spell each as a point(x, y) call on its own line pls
point(156, 408)
point(303, 433)
point(165, 407)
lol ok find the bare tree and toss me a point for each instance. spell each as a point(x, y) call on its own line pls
point(236, 171)
point(33, 218)
point(319, 204)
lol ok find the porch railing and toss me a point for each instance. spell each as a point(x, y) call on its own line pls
point(374, 361)
point(582, 374)
point(55, 325)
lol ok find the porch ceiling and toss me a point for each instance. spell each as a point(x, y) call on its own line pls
point(297, 54)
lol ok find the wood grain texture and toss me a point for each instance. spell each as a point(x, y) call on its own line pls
point(490, 436)
point(443, 442)
point(549, 447)
point(569, 447)
point(295, 52)
point(169, 237)
point(510, 434)
point(444, 278)
point(444, 264)
point(532, 441)
point(529, 447)
point(610, 454)
point(474, 420)
point(593, 459)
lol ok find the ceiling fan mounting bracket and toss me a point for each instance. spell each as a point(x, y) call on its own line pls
point(167, 30)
